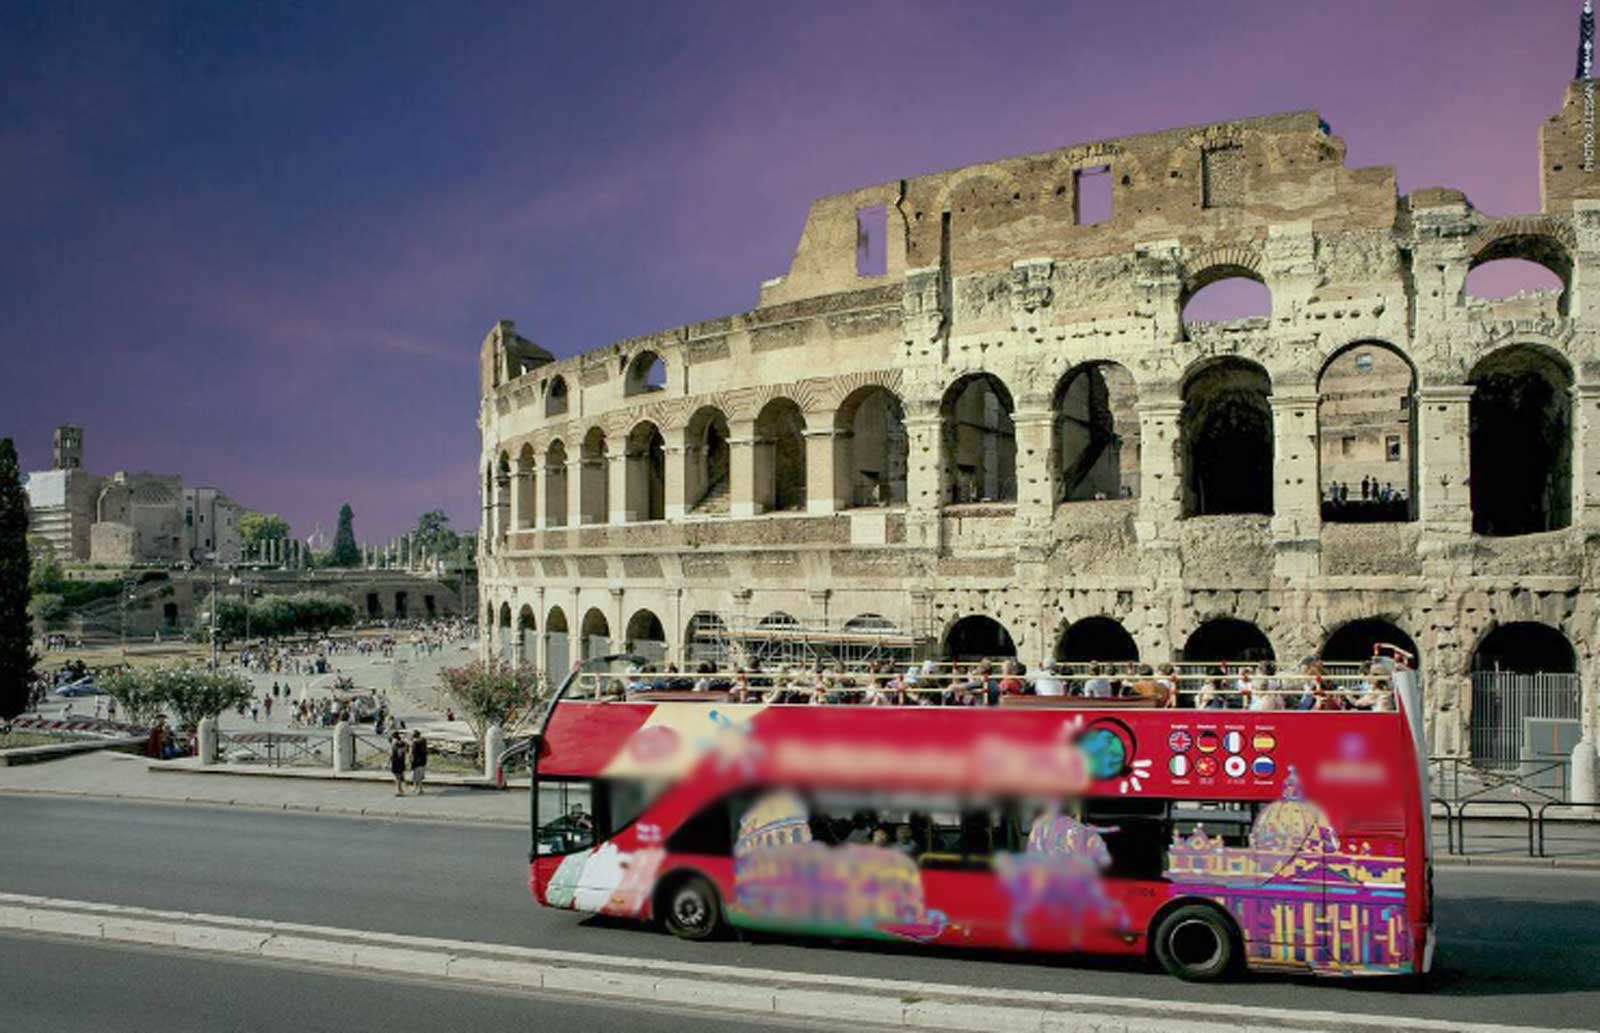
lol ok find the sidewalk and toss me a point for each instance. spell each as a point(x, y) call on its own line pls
point(371, 794)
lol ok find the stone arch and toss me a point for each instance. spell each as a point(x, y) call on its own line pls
point(1095, 447)
point(1098, 638)
point(1354, 640)
point(1366, 434)
point(555, 484)
point(594, 480)
point(525, 493)
point(1525, 240)
point(489, 511)
point(1521, 670)
point(646, 473)
point(780, 457)
point(1227, 640)
point(507, 645)
point(707, 466)
point(979, 440)
point(1227, 438)
point(870, 448)
point(1520, 441)
point(557, 645)
point(645, 372)
point(555, 396)
point(526, 629)
point(978, 637)
point(646, 636)
point(705, 639)
point(596, 634)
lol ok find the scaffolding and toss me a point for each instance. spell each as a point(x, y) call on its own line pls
point(730, 641)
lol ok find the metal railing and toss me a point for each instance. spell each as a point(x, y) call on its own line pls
point(1504, 701)
point(276, 749)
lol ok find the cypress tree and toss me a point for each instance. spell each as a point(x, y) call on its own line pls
point(345, 551)
point(16, 628)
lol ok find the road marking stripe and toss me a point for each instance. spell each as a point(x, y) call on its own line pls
point(897, 1002)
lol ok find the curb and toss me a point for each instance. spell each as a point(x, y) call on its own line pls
point(722, 988)
point(1515, 861)
point(300, 808)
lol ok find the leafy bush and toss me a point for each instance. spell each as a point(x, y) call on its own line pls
point(491, 693)
point(81, 593)
point(277, 615)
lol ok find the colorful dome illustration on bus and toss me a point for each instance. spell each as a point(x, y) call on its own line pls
point(1292, 823)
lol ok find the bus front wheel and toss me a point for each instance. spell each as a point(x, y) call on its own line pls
point(1196, 943)
point(690, 909)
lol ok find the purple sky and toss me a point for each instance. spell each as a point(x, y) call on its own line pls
point(258, 244)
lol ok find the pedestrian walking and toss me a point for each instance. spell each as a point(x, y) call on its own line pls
point(419, 760)
point(397, 763)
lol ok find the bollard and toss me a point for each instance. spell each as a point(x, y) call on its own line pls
point(1583, 772)
point(344, 748)
point(494, 742)
point(207, 734)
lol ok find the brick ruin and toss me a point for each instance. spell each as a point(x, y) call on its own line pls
point(1000, 429)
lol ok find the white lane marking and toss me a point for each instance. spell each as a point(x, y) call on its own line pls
point(557, 970)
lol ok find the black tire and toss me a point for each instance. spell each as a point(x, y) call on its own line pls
point(691, 909)
point(1197, 943)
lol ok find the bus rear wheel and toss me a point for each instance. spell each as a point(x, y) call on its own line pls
point(690, 909)
point(1196, 943)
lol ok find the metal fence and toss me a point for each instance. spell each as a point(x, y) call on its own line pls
point(1518, 718)
point(277, 749)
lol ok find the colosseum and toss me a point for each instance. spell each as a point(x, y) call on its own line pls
point(973, 419)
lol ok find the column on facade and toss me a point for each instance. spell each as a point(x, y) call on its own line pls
point(1160, 475)
point(575, 488)
point(502, 503)
point(618, 619)
point(1444, 497)
point(574, 632)
point(676, 452)
point(822, 495)
point(924, 474)
point(1296, 495)
point(742, 468)
point(1585, 452)
point(617, 480)
point(1035, 426)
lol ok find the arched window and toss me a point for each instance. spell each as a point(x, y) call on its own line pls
point(555, 485)
point(1525, 685)
point(1534, 269)
point(1366, 434)
point(526, 630)
point(596, 634)
point(555, 397)
point(594, 501)
point(1521, 442)
point(1096, 639)
point(557, 655)
point(646, 473)
point(1096, 434)
point(523, 498)
point(706, 462)
point(978, 638)
point(489, 513)
point(1227, 640)
point(705, 640)
point(780, 457)
point(979, 441)
point(646, 372)
point(646, 636)
point(507, 645)
point(502, 495)
point(1356, 641)
point(869, 449)
point(1227, 439)
point(1225, 294)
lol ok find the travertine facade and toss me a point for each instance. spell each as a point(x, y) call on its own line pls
point(1012, 419)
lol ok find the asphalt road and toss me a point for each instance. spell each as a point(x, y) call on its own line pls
point(54, 985)
point(1517, 945)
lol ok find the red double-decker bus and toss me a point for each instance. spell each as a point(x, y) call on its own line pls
point(1208, 840)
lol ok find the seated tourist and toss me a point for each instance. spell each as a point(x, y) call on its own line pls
point(1011, 683)
point(1146, 687)
point(1098, 686)
point(1046, 683)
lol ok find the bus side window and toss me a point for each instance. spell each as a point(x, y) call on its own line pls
point(1135, 834)
point(567, 818)
point(961, 841)
point(709, 832)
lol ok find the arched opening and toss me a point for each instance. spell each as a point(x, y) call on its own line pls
point(780, 445)
point(1096, 639)
point(1532, 269)
point(523, 504)
point(596, 632)
point(1526, 696)
point(1225, 293)
point(1227, 439)
point(870, 448)
point(646, 372)
point(502, 495)
point(706, 462)
point(705, 640)
point(594, 500)
point(557, 655)
point(507, 645)
point(1227, 640)
point(646, 636)
point(646, 473)
point(488, 515)
point(774, 647)
point(978, 638)
point(1521, 442)
point(979, 441)
point(555, 397)
point(526, 630)
point(1096, 434)
point(1356, 641)
point(1366, 435)
point(555, 485)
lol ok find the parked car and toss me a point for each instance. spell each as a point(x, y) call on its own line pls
point(75, 689)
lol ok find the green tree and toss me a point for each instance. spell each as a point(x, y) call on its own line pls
point(496, 692)
point(256, 528)
point(345, 551)
point(433, 535)
point(16, 627)
point(193, 693)
point(47, 608)
point(45, 575)
point(137, 692)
